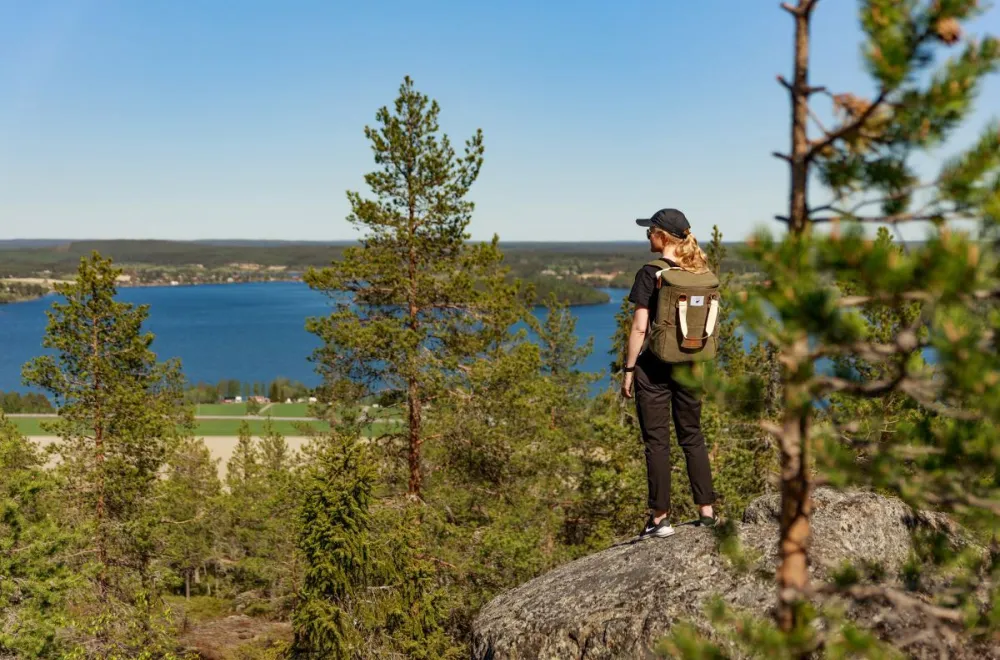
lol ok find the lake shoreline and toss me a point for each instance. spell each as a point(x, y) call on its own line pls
point(160, 285)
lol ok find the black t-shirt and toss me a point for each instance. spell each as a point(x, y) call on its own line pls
point(644, 289)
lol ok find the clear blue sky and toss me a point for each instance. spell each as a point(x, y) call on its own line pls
point(191, 119)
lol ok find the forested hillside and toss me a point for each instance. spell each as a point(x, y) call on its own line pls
point(569, 270)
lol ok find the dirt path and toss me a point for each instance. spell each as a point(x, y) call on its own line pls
point(220, 446)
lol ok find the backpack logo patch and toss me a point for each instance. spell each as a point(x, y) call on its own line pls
point(697, 301)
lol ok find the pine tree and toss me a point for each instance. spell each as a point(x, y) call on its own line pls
point(942, 454)
point(120, 415)
point(504, 474)
point(34, 576)
point(244, 464)
point(418, 296)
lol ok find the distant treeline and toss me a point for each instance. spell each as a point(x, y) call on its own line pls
point(65, 258)
point(30, 403)
point(280, 389)
point(17, 291)
point(523, 258)
point(572, 271)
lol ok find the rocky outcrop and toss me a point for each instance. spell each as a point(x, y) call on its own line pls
point(618, 602)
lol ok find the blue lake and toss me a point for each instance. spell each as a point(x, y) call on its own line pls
point(250, 332)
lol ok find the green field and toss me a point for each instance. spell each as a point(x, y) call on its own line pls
point(227, 409)
point(288, 410)
point(31, 425)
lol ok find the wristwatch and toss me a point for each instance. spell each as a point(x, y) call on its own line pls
point(629, 370)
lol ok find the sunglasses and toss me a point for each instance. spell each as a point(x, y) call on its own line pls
point(649, 232)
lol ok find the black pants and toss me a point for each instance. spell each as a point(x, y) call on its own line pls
point(657, 396)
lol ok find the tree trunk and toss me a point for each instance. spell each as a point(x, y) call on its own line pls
point(413, 401)
point(798, 217)
point(102, 550)
point(792, 574)
point(187, 585)
point(796, 505)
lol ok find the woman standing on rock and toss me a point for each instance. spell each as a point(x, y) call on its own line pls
point(676, 307)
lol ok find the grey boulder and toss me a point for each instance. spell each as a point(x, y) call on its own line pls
point(618, 602)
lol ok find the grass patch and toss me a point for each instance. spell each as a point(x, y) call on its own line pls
point(198, 608)
point(227, 409)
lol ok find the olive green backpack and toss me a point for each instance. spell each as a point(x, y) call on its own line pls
point(687, 310)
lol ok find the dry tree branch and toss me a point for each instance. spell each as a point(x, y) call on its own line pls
point(973, 501)
point(892, 597)
point(819, 122)
point(849, 127)
point(804, 7)
point(906, 343)
point(823, 385)
point(987, 294)
point(900, 194)
point(913, 296)
point(894, 219)
point(927, 400)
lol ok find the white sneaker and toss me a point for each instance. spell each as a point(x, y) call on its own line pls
point(662, 529)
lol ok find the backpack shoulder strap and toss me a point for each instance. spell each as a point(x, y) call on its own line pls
point(661, 263)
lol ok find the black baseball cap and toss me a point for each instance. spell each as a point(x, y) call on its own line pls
point(671, 221)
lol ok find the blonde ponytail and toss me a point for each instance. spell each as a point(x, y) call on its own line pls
point(687, 254)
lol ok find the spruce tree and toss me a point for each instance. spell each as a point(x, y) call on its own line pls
point(189, 505)
point(260, 507)
point(336, 493)
point(121, 414)
point(412, 298)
